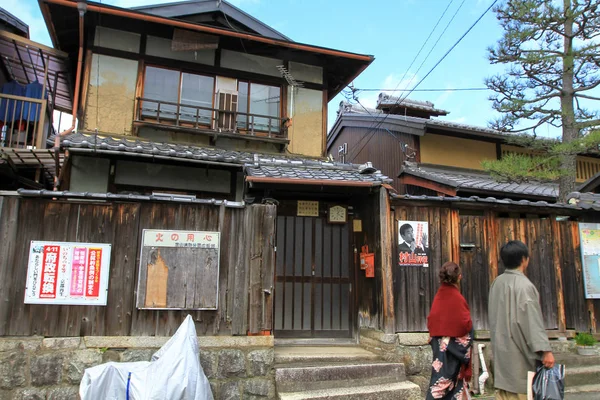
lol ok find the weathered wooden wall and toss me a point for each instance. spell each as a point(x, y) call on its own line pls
point(246, 266)
point(474, 239)
point(384, 148)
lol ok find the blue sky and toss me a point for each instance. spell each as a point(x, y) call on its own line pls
point(391, 30)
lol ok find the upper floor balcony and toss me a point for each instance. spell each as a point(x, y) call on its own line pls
point(211, 105)
point(33, 84)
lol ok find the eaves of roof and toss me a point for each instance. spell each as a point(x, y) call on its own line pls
point(191, 7)
point(412, 125)
point(472, 181)
point(488, 200)
point(366, 121)
point(258, 166)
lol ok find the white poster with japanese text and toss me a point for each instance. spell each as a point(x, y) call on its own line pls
point(67, 273)
point(179, 270)
point(413, 243)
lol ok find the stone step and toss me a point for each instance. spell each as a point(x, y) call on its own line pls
point(322, 354)
point(575, 360)
point(584, 392)
point(392, 391)
point(295, 378)
point(579, 376)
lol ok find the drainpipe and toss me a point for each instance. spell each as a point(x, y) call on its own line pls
point(82, 7)
point(485, 375)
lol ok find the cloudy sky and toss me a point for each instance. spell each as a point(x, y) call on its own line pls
point(392, 30)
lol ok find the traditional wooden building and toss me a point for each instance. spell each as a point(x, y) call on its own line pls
point(197, 160)
point(429, 155)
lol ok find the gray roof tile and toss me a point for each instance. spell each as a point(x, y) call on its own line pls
point(471, 180)
point(255, 164)
point(493, 200)
point(587, 201)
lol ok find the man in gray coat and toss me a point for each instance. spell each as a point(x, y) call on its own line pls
point(518, 336)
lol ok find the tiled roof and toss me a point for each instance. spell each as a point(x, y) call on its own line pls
point(336, 174)
point(386, 100)
point(128, 197)
point(471, 181)
point(487, 200)
point(369, 113)
point(586, 201)
point(256, 164)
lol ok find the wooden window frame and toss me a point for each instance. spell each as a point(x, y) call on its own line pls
point(282, 114)
point(181, 71)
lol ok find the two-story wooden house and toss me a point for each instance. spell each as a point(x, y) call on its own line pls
point(197, 101)
point(427, 155)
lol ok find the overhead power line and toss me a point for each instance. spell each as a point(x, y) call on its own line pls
point(423, 90)
point(408, 69)
point(452, 48)
point(425, 43)
point(378, 124)
point(436, 43)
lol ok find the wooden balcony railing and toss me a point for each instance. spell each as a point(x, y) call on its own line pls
point(209, 119)
point(22, 122)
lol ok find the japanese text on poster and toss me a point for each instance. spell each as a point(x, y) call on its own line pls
point(67, 273)
point(171, 260)
point(413, 244)
point(590, 258)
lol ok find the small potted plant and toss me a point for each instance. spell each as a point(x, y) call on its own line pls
point(585, 344)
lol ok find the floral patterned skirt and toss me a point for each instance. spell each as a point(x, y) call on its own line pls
point(450, 369)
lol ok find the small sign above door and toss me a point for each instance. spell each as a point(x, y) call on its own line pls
point(308, 208)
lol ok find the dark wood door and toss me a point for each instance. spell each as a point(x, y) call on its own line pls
point(474, 264)
point(313, 280)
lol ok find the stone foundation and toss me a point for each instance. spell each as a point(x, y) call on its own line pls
point(414, 351)
point(36, 368)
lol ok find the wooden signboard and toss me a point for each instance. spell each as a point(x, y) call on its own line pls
point(179, 270)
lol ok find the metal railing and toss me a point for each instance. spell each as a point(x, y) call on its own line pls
point(22, 120)
point(199, 117)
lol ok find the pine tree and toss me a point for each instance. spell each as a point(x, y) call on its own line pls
point(552, 51)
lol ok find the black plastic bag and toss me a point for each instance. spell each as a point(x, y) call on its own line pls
point(549, 383)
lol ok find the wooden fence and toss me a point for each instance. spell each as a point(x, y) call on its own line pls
point(245, 279)
point(474, 241)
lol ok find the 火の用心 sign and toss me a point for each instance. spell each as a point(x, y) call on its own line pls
point(179, 270)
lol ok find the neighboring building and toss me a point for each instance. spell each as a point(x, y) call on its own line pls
point(431, 156)
point(28, 69)
point(12, 24)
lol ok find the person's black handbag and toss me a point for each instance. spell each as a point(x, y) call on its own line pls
point(549, 383)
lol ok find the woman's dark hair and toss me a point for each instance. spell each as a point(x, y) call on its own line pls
point(513, 253)
point(449, 273)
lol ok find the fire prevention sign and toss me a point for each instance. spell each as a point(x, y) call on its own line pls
point(67, 273)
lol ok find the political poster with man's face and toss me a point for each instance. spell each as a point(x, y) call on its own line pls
point(413, 243)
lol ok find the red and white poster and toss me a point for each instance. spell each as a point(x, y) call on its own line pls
point(67, 273)
point(413, 244)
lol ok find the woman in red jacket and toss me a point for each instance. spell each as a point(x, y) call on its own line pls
point(451, 338)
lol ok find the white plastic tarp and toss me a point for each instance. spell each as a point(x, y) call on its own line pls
point(174, 373)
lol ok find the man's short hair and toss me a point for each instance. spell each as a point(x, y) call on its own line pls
point(404, 228)
point(512, 254)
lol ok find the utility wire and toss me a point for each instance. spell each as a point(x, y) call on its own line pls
point(435, 44)
point(407, 70)
point(422, 90)
point(425, 77)
point(452, 48)
point(425, 43)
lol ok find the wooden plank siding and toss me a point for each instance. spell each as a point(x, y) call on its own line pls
point(245, 278)
point(474, 239)
point(382, 149)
